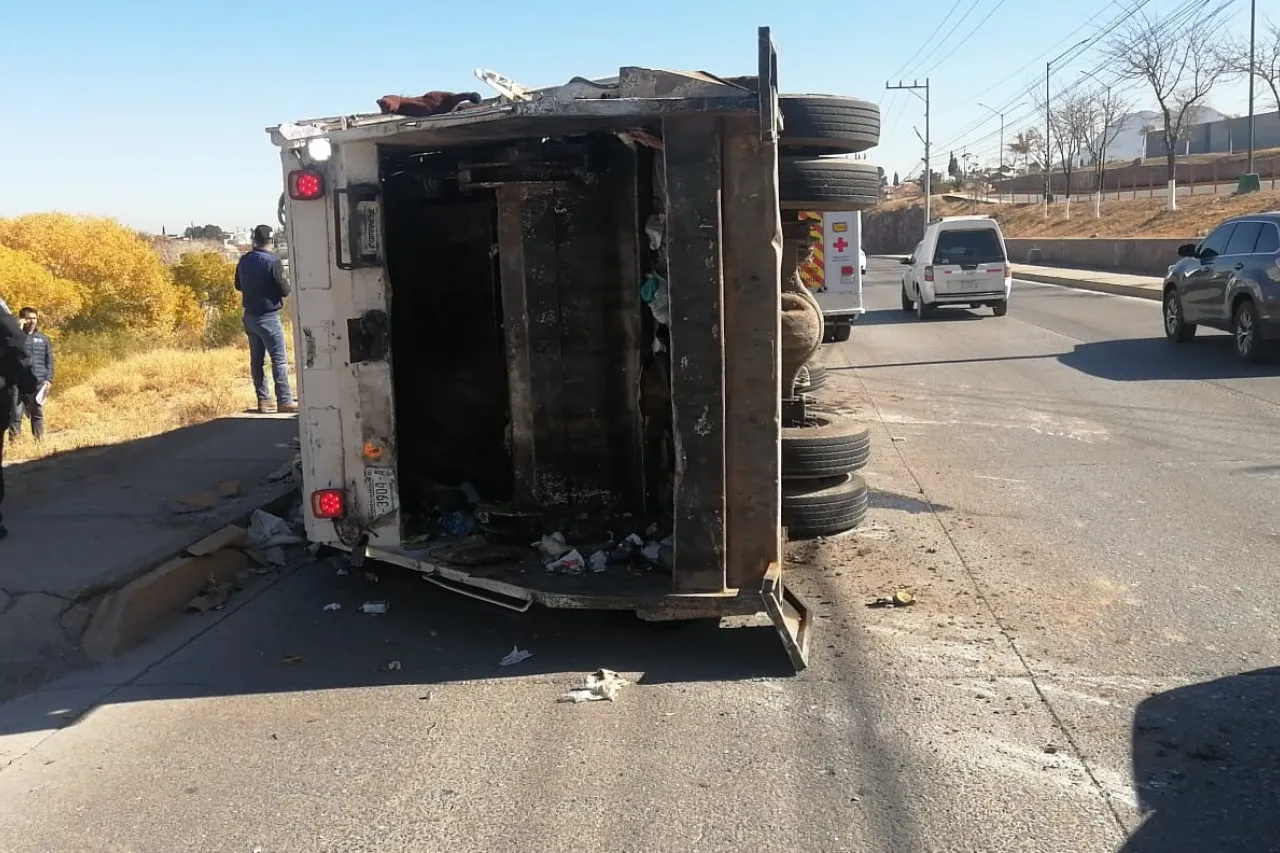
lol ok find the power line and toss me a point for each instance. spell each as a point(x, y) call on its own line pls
point(967, 35)
point(925, 43)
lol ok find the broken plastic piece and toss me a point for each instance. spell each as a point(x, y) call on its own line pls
point(901, 598)
point(601, 685)
point(333, 607)
point(515, 656)
point(553, 547)
point(652, 551)
point(375, 608)
point(655, 228)
point(598, 562)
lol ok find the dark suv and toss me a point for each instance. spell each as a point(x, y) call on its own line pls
point(1231, 281)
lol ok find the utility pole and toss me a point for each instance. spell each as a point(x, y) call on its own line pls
point(1251, 182)
point(1048, 173)
point(928, 165)
point(994, 111)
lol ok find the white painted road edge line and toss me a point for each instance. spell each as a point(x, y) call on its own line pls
point(1082, 290)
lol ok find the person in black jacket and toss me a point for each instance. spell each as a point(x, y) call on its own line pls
point(15, 373)
point(40, 354)
point(263, 286)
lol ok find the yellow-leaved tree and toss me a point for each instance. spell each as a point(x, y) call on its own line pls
point(125, 285)
point(210, 278)
point(23, 282)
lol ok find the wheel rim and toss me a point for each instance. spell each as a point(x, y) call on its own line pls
point(1171, 314)
point(1244, 330)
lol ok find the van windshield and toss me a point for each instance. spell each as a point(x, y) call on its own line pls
point(973, 246)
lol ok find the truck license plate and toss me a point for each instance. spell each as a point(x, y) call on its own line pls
point(380, 484)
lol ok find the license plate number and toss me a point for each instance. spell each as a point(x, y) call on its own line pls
point(380, 485)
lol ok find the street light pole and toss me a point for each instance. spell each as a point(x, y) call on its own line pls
point(1048, 174)
point(1001, 115)
point(1253, 68)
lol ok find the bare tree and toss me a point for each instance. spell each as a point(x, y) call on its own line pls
point(1104, 118)
point(1069, 121)
point(1181, 63)
point(1235, 54)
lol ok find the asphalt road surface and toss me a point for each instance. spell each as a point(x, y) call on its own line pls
point(1088, 517)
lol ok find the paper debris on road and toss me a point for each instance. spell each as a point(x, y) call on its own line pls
point(601, 685)
point(332, 607)
point(267, 530)
point(375, 608)
point(515, 656)
point(391, 666)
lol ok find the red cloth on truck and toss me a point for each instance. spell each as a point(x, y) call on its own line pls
point(430, 104)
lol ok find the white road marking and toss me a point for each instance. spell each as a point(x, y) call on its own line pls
point(1141, 299)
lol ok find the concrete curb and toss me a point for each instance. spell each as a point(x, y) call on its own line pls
point(1095, 286)
point(128, 615)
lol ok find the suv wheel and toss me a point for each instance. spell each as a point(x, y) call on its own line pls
point(907, 303)
point(923, 310)
point(1244, 328)
point(1176, 328)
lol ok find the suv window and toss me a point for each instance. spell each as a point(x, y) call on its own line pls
point(1216, 242)
point(1243, 238)
point(1268, 240)
point(973, 246)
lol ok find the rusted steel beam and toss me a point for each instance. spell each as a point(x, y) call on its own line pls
point(752, 325)
point(695, 281)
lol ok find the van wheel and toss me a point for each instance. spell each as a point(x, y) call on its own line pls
point(827, 184)
point(823, 507)
point(824, 448)
point(922, 310)
point(907, 303)
point(1001, 308)
point(822, 124)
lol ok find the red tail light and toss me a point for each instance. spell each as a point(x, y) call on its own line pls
point(995, 269)
point(305, 185)
point(928, 273)
point(328, 503)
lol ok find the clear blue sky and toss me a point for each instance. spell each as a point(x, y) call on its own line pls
point(153, 112)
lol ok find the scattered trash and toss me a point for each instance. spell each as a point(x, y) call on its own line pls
point(342, 570)
point(275, 556)
point(196, 502)
point(375, 608)
point(598, 562)
point(332, 607)
point(391, 666)
point(458, 523)
point(215, 595)
point(267, 530)
point(601, 685)
point(290, 657)
point(652, 551)
point(229, 488)
point(426, 697)
point(655, 228)
point(516, 655)
point(313, 549)
point(553, 546)
point(1050, 749)
point(473, 497)
point(901, 598)
point(371, 577)
point(570, 564)
point(635, 540)
point(654, 294)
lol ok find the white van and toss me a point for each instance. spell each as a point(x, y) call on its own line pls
point(961, 261)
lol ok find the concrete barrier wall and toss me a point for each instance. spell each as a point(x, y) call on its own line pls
point(1135, 256)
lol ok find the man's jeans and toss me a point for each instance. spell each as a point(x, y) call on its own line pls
point(266, 337)
point(17, 410)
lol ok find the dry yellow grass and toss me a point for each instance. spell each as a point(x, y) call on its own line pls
point(1142, 217)
point(143, 395)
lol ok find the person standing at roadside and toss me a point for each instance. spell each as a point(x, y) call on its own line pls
point(263, 287)
point(15, 373)
point(40, 355)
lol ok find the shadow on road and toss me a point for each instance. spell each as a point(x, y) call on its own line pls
point(1206, 765)
point(897, 317)
point(880, 499)
point(1143, 359)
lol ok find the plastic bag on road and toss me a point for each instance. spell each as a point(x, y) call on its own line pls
point(600, 686)
point(267, 531)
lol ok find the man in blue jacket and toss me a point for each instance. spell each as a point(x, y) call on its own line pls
point(15, 372)
point(263, 287)
point(40, 355)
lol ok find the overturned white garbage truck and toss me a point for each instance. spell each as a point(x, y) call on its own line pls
point(548, 343)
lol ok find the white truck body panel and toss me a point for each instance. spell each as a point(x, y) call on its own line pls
point(842, 266)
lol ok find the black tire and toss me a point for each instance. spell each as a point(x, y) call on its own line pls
point(1246, 332)
point(817, 378)
point(826, 124)
point(842, 332)
point(923, 310)
point(824, 448)
point(1176, 328)
point(908, 304)
point(1001, 308)
point(823, 507)
point(806, 183)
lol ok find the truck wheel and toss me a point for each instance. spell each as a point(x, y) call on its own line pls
point(825, 124)
point(824, 448)
point(806, 183)
point(823, 507)
point(842, 332)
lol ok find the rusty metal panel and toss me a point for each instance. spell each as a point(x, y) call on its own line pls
point(695, 274)
point(752, 321)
